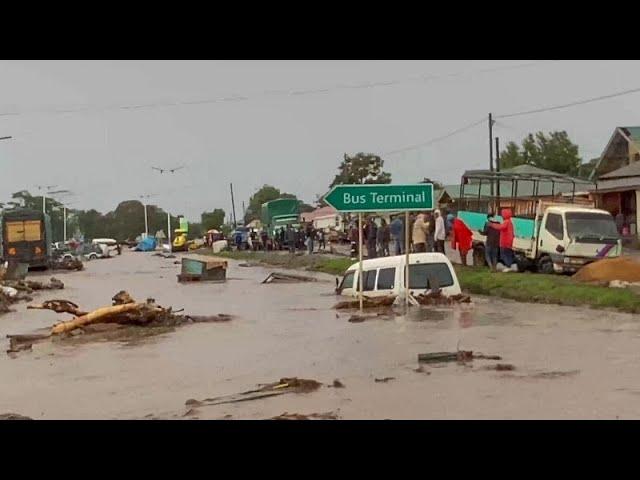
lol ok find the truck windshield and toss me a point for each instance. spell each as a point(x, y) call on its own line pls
point(590, 226)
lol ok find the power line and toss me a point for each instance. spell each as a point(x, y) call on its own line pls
point(266, 93)
point(572, 104)
point(436, 139)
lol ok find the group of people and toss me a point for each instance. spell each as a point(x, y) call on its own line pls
point(428, 234)
point(305, 237)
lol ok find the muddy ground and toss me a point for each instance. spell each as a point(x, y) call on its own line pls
point(569, 362)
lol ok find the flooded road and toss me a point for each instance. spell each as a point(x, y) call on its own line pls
point(569, 362)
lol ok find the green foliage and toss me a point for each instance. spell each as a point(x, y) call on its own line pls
point(585, 169)
point(212, 220)
point(553, 152)
point(361, 168)
point(539, 288)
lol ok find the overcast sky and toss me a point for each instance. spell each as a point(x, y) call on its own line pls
point(295, 142)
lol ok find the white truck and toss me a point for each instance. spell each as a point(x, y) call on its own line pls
point(559, 237)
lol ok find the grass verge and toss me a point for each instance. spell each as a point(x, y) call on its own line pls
point(523, 287)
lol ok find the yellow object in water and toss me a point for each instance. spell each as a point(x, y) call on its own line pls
point(180, 241)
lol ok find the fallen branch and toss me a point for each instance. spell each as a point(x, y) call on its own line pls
point(59, 306)
point(103, 314)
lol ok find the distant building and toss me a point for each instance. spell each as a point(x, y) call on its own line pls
point(623, 149)
point(619, 192)
point(324, 218)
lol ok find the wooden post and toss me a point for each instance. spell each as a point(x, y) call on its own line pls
point(406, 246)
point(360, 280)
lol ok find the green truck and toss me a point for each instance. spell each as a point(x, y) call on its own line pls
point(280, 213)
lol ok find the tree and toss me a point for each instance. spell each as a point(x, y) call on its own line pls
point(361, 168)
point(212, 220)
point(436, 184)
point(585, 169)
point(555, 152)
point(511, 156)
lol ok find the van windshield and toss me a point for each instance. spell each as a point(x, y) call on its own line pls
point(347, 281)
point(585, 226)
point(419, 275)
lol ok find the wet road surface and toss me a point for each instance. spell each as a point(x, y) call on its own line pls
point(569, 362)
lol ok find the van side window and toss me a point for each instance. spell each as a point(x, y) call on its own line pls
point(419, 275)
point(386, 278)
point(369, 278)
point(554, 225)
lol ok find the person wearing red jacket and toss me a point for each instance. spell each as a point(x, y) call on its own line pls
point(461, 239)
point(506, 237)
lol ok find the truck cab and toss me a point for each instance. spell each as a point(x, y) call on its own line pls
point(570, 237)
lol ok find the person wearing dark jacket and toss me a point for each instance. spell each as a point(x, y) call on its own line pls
point(492, 243)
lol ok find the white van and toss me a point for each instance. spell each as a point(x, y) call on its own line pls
point(385, 275)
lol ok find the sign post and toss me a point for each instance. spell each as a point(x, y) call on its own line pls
point(406, 252)
point(381, 198)
point(360, 279)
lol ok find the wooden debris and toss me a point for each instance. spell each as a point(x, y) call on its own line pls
point(13, 416)
point(460, 356)
point(68, 264)
point(310, 416)
point(367, 302)
point(500, 367)
point(384, 380)
point(59, 306)
point(337, 384)
point(284, 386)
point(437, 298)
point(279, 277)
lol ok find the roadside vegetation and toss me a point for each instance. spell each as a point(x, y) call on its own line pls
point(523, 287)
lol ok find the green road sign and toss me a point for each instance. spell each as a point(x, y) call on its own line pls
point(380, 198)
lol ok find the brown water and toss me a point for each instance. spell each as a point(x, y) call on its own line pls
point(569, 362)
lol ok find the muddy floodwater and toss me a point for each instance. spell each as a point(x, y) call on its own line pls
point(568, 362)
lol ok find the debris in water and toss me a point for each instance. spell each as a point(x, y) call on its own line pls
point(500, 367)
point(337, 384)
point(460, 356)
point(421, 369)
point(367, 302)
point(13, 416)
point(384, 380)
point(284, 386)
point(310, 416)
point(279, 277)
point(556, 374)
point(67, 264)
point(123, 311)
point(437, 298)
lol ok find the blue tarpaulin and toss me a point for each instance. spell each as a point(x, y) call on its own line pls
point(146, 245)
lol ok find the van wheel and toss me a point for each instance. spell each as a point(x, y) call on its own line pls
point(545, 265)
point(479, 259)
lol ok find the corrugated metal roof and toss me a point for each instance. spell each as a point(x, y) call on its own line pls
point(525, 189)
point(632, 170)
point(626, 183)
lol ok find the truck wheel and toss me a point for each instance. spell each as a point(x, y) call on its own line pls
point(479, 259)
point(545, 265)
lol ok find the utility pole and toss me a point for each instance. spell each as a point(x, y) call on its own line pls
point(498, 169)
point(491, 149)
point(233, 208)
point(47, 187)
point(146, 218)
point(244, 212)
point(169, 231)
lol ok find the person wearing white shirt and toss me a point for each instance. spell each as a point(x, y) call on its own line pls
point(440, 233)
